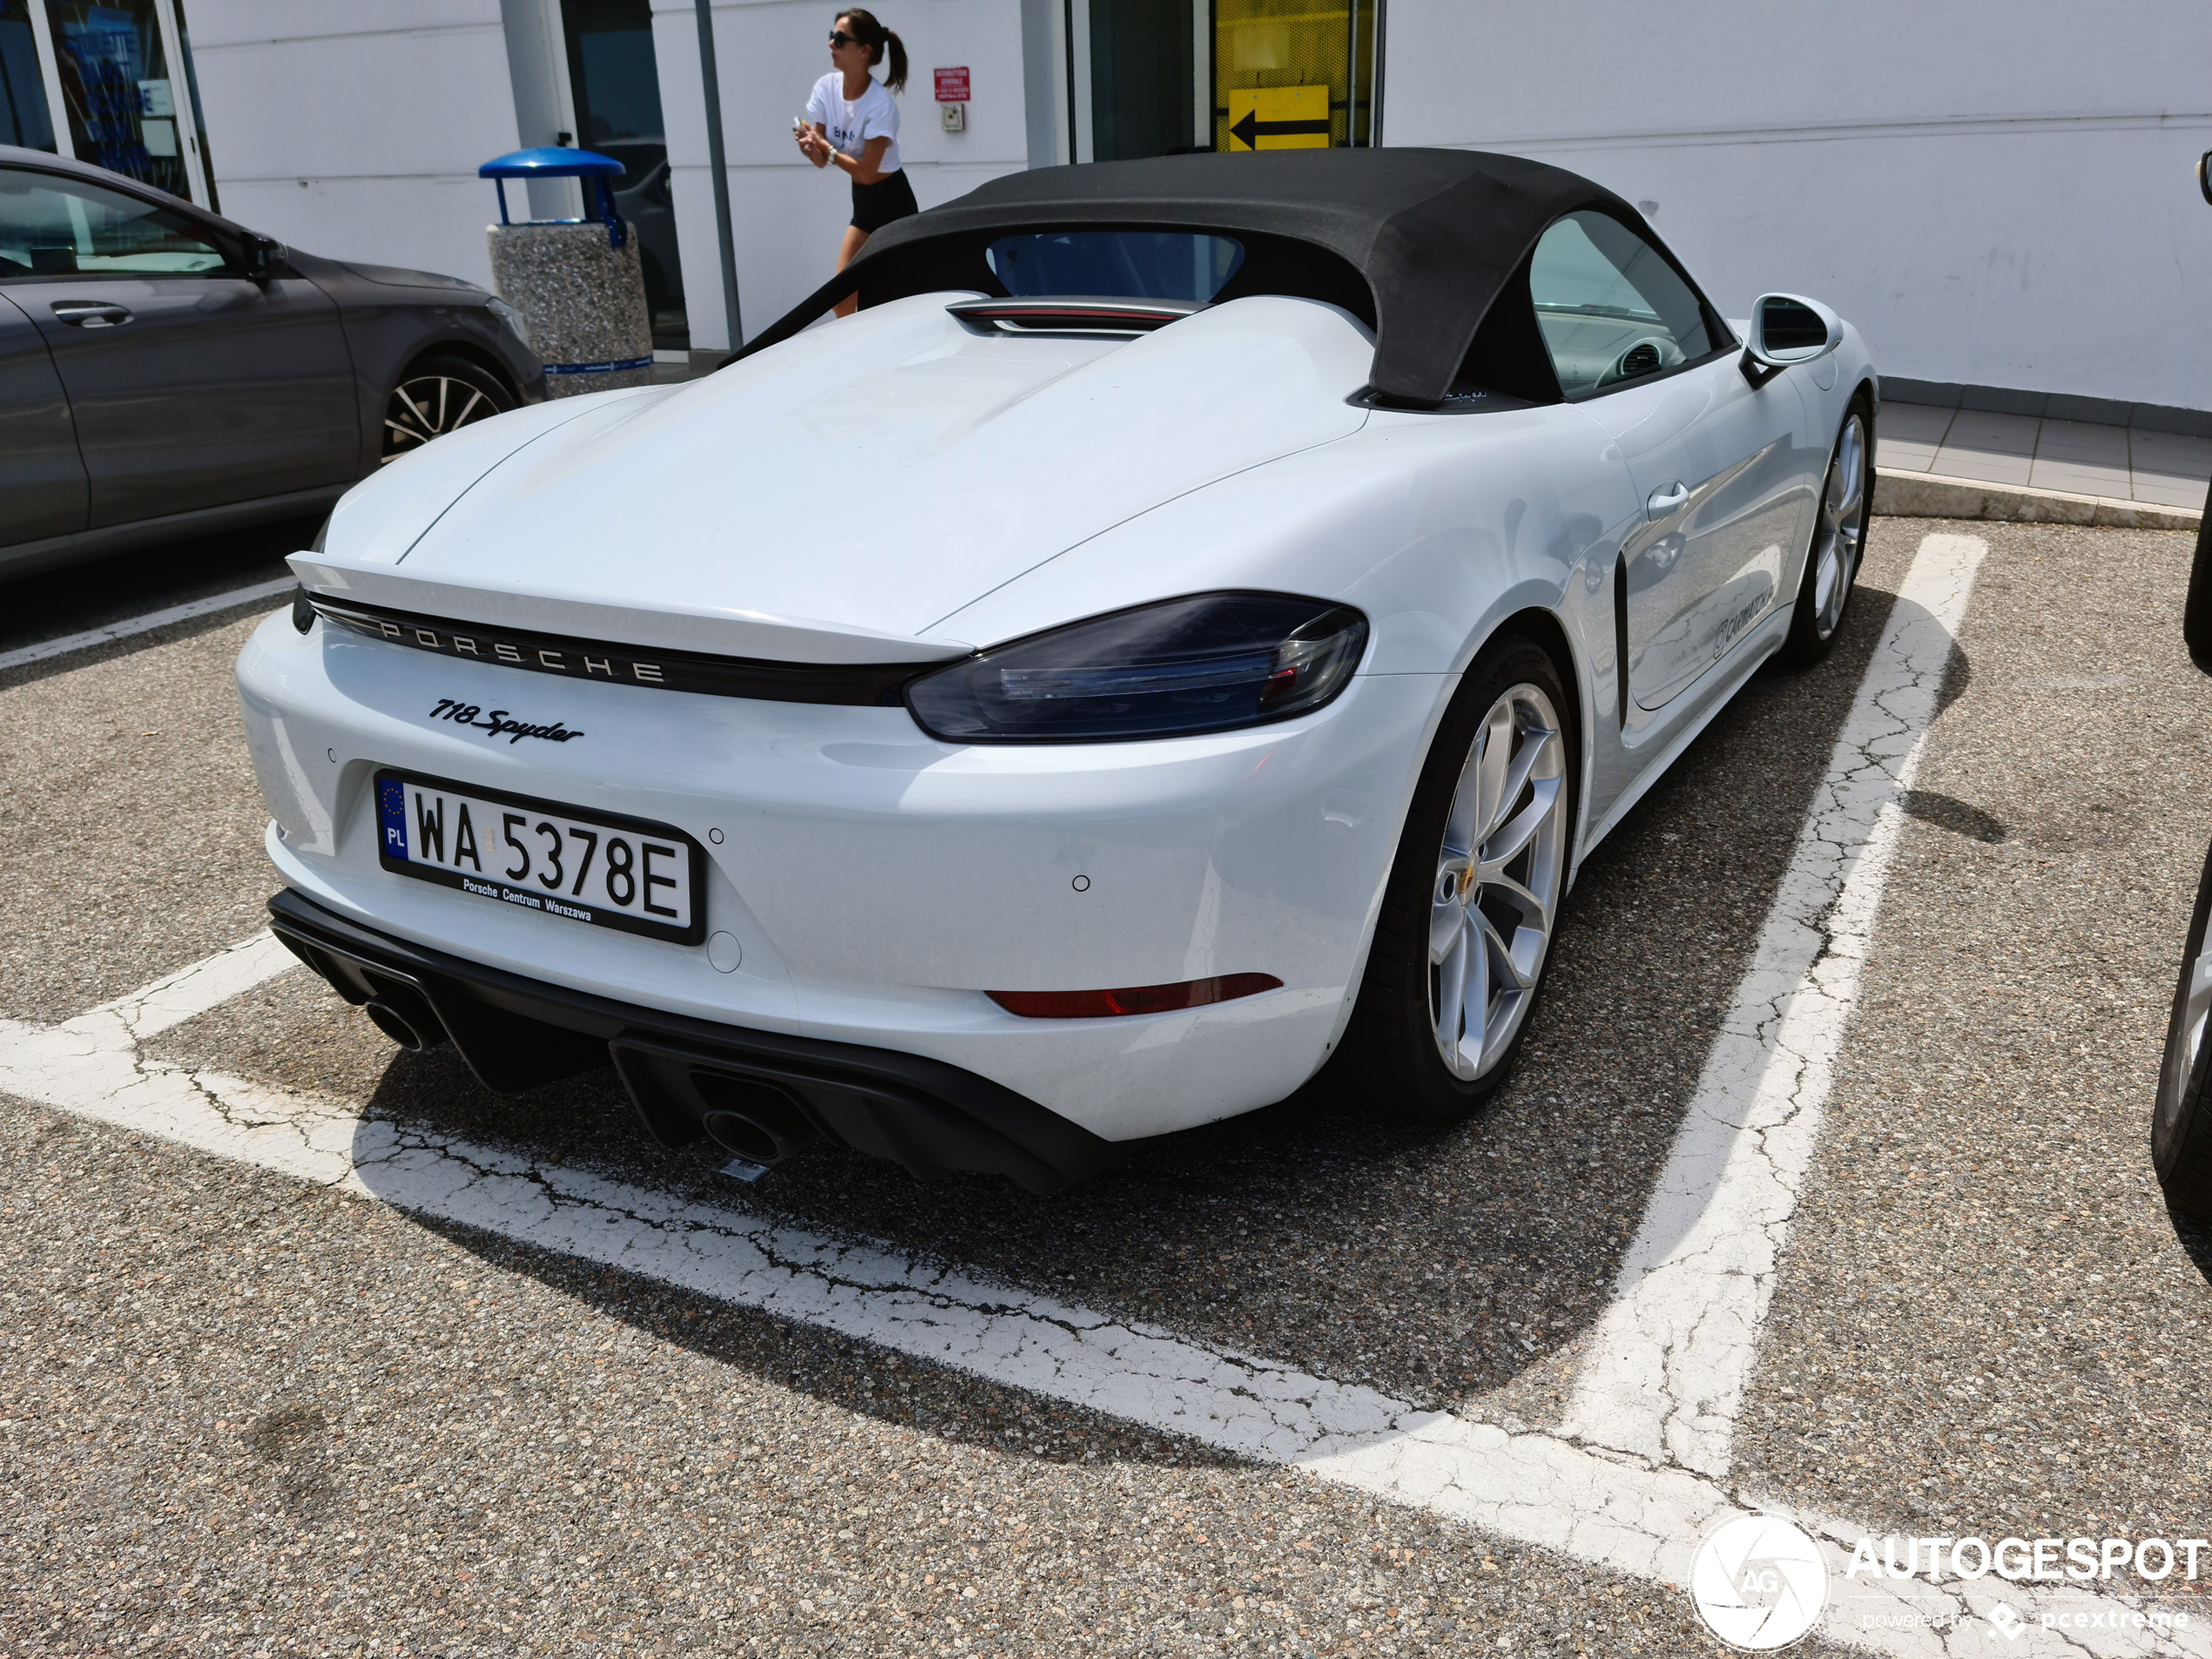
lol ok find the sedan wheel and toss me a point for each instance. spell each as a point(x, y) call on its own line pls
point(1498, 875)
point(437, 397)
point(1839, 544)
point(1466, 929)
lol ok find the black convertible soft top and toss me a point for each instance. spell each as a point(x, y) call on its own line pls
point(1435, 235)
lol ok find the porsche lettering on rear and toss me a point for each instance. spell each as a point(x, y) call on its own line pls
point(472, 646)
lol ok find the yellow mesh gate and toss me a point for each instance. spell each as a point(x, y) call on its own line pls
point(1290, 75)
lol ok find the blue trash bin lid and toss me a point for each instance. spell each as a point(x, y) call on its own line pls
point(551, 161)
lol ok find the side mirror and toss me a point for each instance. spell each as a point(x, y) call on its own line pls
point(1788, 328)
point(2204, 174)
point(265, 257)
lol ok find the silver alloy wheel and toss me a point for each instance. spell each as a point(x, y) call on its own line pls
point(1837, 537)
point(1498, 878)
point(2182, 1050)
point(429, 406)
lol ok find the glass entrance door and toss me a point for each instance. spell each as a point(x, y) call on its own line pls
point(615, 85)
point(1142, 70)
point(128, 109)
point(23, 117)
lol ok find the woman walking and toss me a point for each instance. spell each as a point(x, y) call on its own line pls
point(852, 120)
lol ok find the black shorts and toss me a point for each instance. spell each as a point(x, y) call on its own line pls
point(875, 205)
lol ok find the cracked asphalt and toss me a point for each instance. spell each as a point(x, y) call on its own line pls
point(239, 1413)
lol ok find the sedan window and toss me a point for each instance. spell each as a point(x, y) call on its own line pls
point(55, 226)
point(1610, 307)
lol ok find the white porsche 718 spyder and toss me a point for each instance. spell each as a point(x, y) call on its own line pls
point(1179, 634)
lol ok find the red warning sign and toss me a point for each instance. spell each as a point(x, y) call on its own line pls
point(952, 84)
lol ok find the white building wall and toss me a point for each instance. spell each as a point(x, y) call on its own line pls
point(786, 217)
point(355, 130)
point(1999, 193)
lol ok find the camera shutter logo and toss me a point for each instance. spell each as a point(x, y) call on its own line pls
point(1759, 1582)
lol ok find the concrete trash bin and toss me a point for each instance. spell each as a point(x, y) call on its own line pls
point(576, 281)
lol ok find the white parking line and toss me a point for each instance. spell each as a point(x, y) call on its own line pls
point(1672, 1353)
point(151, 620)
point(1640, 1515)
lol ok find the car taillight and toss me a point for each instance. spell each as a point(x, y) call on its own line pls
point(1211, 662)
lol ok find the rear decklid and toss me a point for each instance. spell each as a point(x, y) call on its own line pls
point(831, 500)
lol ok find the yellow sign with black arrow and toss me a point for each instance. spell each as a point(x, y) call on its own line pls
point(1279, 118)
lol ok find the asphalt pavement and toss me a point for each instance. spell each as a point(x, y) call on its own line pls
point(243, 1411)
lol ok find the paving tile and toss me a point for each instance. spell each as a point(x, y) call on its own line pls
point(1908, 435)
point(1990, 448)
point(2169, 492)
point(2168, 468)
point(2081, 457)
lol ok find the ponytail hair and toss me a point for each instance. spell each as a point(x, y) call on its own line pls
point(876, 37)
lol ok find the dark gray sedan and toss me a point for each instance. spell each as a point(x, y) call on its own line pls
point(164, 373)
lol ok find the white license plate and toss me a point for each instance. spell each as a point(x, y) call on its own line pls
point(610, 872)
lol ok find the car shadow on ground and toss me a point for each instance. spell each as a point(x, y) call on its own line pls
point(1455, 1269)
point(2196, 1239)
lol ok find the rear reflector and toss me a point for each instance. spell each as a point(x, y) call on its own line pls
point(1136, 999)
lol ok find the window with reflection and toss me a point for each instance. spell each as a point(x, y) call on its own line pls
point(1192, 266)
point(52, 227)
point(1610, 307)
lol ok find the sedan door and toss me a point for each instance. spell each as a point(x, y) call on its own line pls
point(1724, 471)
point(42, 479)
point(191, 385)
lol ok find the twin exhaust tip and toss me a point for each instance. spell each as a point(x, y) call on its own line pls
point(398, 1026)
point(756, 1122)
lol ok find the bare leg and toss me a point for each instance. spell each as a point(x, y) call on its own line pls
point(847, 251)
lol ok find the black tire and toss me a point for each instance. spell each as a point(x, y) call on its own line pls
point(437, 395)
point(1392, 1059)
point(2180, 1122)
point(1818, 617)
point(2196, 611)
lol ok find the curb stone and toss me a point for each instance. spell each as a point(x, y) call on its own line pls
point(1919, 494)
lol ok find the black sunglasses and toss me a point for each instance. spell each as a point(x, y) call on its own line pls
point(838, 37)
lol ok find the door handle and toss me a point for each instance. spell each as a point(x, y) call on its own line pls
point(1666, 498)
point(91, 313)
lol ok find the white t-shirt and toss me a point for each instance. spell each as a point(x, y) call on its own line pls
point(874, 114)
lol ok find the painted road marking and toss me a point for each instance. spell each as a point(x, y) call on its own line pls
point(151, 620)
point(1672, 1353)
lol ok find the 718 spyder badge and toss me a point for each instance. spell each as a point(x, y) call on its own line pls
point(496, 724)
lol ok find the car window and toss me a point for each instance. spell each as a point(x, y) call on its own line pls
point(55, 226)
point(1610, 307)
point(1124, 265)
